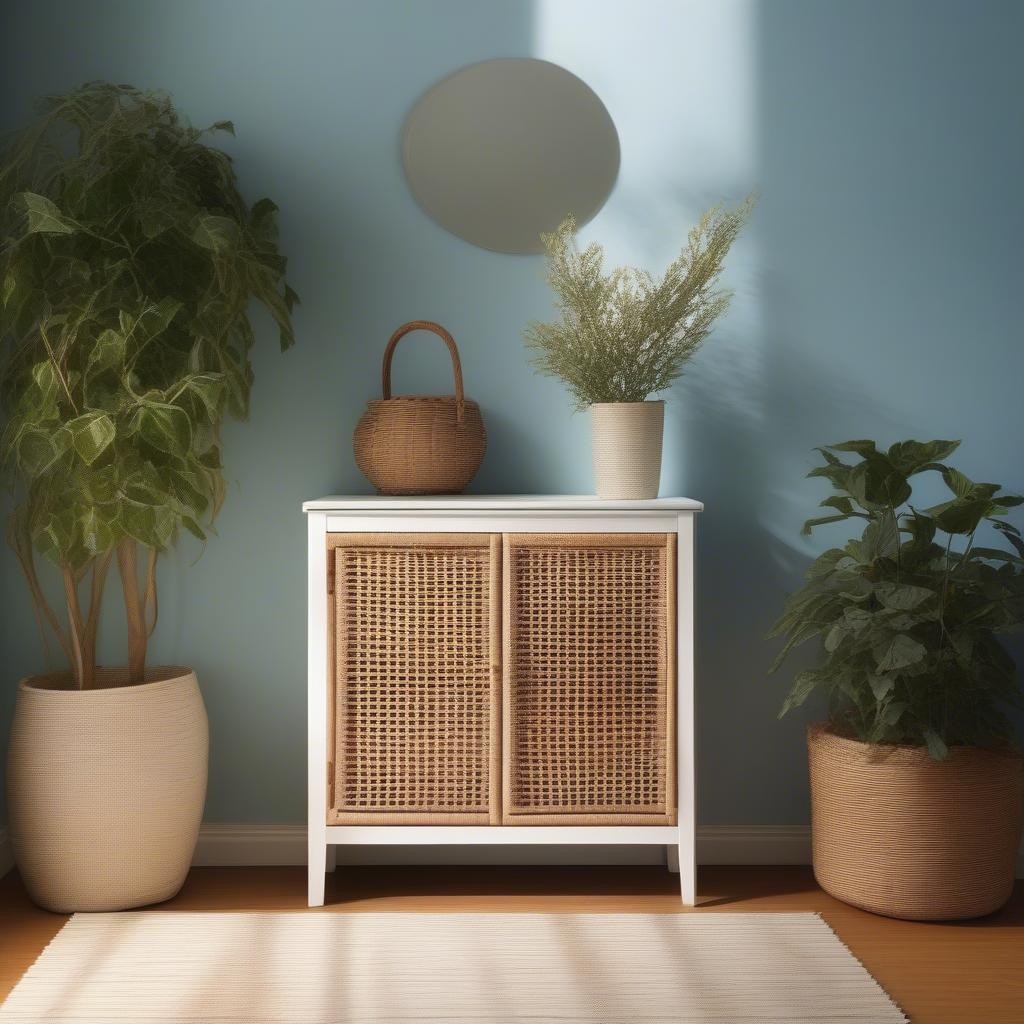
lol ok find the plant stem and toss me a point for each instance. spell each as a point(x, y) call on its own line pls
point(149, 600)
point(99, 576)
point(134, 610)
point(80, 665)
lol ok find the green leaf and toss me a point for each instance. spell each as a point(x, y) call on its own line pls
point(264, 287)
point(107, 353)
point(835, 636)
point(876, 484)
point(915, 456)
point(155, 319)
point(837, 474)
point(152, 525)
point(45, 378)
point(187, 489)
point(209, 389)
point(44, 217)
point(960, 516)
point(166, 427)
point(1012, 534)
point(38, 451)
point(193, 527)
point(897, 653)
point(97, 533)
point(804, 685)
point(893, 711)
point(839, 502)
point(879, 540)
point(91, 434)
point(223, 126)
point(959, 484)
point(902, 596)
point(825, 564)
point(857, 619)
point(218, 234)
point(937, 749)
point(881, 685)
point(857, 447)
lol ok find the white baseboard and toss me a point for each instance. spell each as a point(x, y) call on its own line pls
point(270, 845)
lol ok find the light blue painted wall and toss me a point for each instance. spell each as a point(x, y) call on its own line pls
point(877, 294)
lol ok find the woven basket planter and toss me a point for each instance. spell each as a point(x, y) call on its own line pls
point(901, 835)
point(626, 446)
point(105, 788)
point(420, 444)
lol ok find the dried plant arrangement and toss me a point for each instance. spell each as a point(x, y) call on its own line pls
point(623, 336)
point(128, 261)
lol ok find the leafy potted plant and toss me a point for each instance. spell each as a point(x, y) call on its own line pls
point(128, 261)
point(916, 785)
point(622, 337)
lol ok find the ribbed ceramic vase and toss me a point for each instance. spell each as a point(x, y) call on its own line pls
point(105, 788)
point(626, 443)
point(899, 834)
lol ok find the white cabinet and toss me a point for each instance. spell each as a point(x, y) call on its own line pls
point(504, 670)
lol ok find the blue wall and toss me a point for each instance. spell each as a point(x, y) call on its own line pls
point(877, 294)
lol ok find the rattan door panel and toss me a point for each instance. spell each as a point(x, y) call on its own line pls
point(416, 649)
point(589, 679)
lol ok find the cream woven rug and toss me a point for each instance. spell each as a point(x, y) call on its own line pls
point(447, 969)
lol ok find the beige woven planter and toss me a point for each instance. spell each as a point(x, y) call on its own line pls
point(626, 440)
point(105, 788)
point(899, 834)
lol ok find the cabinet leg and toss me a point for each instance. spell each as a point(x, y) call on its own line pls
point(317, 866)
point(687, 873)
point(332, 858)
point(672, 858)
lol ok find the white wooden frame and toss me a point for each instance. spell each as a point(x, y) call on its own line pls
point(500, 514)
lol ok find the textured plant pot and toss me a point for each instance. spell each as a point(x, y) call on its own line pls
point(901, 835)
point(626, 442)
point(105, 787)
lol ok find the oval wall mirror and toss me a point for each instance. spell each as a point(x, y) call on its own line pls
point(502, 150)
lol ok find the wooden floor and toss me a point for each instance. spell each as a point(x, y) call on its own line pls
point(965, 973)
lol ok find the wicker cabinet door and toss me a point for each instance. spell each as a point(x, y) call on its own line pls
point(589, 679)
point(416, 648)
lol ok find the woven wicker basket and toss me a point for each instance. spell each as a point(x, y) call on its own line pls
point(420, 444)
point(901, 835)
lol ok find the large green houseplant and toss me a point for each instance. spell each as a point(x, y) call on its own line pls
point(622, 337)
point(916, 785)
point(128, 262)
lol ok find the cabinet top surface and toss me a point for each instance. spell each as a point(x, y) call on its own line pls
point(496, 503)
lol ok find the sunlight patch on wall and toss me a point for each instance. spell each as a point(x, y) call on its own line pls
point(678, 80)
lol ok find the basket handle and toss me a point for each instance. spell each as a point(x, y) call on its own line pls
point(426, 325)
